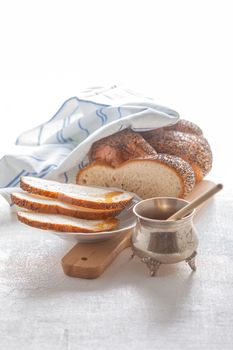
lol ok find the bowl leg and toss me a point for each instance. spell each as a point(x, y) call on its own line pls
point(191, 261)
point(152, 264)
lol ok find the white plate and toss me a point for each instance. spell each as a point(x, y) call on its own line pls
point(127, 220)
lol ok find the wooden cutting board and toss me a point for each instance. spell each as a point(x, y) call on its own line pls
point(90, 260)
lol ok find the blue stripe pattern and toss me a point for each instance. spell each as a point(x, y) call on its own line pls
point(82, 128)
point(60, 137)
point(44, 172)
point(100, 116)
point(81, 165)
point(16, 179)
point(104, 115)
point(120, 128)
point(92, 102)
point(119, 111)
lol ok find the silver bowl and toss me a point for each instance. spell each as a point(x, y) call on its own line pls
point(157, 241)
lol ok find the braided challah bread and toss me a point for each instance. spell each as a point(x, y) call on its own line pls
point(161, 162)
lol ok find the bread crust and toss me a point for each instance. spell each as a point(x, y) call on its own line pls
point(63, 197)
point(112, 223)
point(182, 125)
point(182, 169)
point(91, 214)
point(192, 148)
point(120, 147)
point(176, 164)
point(185, 126)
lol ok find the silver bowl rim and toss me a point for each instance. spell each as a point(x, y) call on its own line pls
point(187, 217)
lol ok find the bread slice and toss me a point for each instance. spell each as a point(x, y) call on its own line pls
point(53, 206)
point(91, 197)
point(65, 224)
point(161, 176)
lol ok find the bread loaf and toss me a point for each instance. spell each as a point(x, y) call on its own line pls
point(163, 175)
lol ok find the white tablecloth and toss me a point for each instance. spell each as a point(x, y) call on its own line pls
point(179, 52)
point(41, 308)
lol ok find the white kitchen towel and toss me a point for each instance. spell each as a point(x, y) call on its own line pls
point(58, 148)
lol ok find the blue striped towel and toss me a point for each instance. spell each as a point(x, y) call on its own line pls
point(58, 148)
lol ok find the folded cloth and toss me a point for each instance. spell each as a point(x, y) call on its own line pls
point(58, 148)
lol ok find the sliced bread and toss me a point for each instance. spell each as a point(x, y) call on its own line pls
point(163, 175)
point(85, 196)
point(53, 206)
point(64, 223)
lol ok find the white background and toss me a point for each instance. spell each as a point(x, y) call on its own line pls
point(179, 52)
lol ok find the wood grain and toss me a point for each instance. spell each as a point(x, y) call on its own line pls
point(90, 260)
